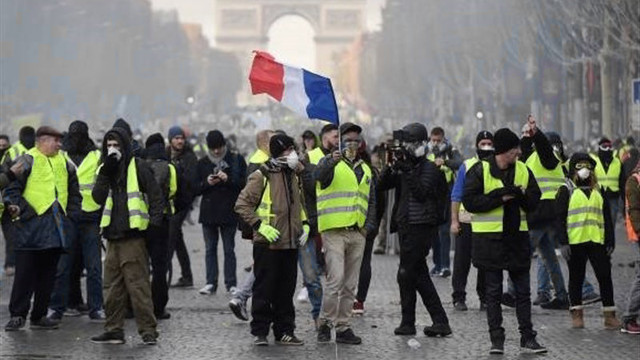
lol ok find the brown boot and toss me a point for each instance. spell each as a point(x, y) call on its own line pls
point(610, 320)
point(577, 317)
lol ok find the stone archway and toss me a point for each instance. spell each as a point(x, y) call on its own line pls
point(242, 26)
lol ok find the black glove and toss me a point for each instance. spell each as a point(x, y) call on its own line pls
point(110, 167)
point(499, 193)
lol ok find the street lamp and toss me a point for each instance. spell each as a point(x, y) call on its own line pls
point(479, 115)
point(191, 100)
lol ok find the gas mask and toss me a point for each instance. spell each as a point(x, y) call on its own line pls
point(437, 148)
point(484, 151)
point(583, 173)
point(416, 148)
point(350, 149)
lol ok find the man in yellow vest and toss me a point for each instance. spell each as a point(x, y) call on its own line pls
point(26, 142)
point(85, 244)
point(132, 202)
point(4, 145)
point(42, 201)
point(609, 173)
point(271, 203)
point(499, 192)
point(346, 212)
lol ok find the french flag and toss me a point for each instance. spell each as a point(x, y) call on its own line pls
point(304, 92)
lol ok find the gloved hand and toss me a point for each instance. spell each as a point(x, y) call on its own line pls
point(609, 249)
point(565, 250)
point(498, 193)
point(404, 164)
point(269, 232)
point(302, 240)
point(110, 167)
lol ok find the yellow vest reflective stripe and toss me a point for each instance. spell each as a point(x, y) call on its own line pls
point(48, 182)
point(467, 165)
point(138, 209)
point(264, 209)
point(315, 155)
point(549, 181)
point(492, 221)
point(87, 172)
point(345, 201)
point(609, 179)
point(14, 151)
point(173, 186)
point(259, 157)
point(448, 173)
point(585, 220)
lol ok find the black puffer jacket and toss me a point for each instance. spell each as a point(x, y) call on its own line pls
point(417, 193)
point(186, 164)
point(509, 249)
point(119, 227)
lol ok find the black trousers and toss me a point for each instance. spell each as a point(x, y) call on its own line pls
point(35, 275)
point(177, 245)
point(520, 279)
point(365, 271)
point(462, 265)
point(77, 265)
point(413, 275)
point(276, 272)
point(601, 263)
point(158, 249)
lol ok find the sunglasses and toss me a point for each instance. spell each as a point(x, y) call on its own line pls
point(583, 165)
point(605, 147)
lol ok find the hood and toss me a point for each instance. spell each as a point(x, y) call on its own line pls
point(27, 137)
point(123, 139)
point(155, 152)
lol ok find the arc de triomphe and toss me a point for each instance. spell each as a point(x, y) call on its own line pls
point(242, 26)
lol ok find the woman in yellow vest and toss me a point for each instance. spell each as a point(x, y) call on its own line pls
point(583, 213)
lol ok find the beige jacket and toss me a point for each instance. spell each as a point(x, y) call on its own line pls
point(287, 200)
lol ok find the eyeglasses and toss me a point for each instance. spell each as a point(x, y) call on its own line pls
point(583, 165)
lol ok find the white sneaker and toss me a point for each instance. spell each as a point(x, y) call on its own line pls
point(232, 290)
point(303, 295)
point(207, 290)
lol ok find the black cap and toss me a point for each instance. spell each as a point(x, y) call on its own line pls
point(505, 140)
point(347, 127)
point(279, 143)
point(484, 135)
point(154, 139)
point(215, 139)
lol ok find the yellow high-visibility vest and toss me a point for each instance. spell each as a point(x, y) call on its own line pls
point(13, 152)
point(585, 218)
point(87, 173)
point(138, 208)
point(47, 182)
point(549, 181)
point(608, 179)
point(448, 173)
point(492, 221)
point(259, 157)
point(315, 155)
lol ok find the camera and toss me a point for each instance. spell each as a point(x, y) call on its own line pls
point(395, 147)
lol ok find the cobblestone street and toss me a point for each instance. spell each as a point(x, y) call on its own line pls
point(202, 327)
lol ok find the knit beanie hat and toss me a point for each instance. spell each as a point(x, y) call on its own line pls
point(154, 139)
point(279, 143)
point(215, 139)
point(505, 140)
point(175, 131)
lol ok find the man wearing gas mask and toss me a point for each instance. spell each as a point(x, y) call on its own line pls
point(448, 159)
point(421, 190)
point(609, 173)
point(346, 213)
point(461, 228)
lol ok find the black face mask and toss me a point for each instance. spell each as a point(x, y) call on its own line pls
point(605, 155)
point(484, 154)
point(2, 152)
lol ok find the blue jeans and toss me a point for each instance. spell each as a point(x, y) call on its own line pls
point(245, 289)
point(442, 247)
point(614, 207)
point(308, 263)
point(86, 239)
point(228, 233)
point(543, 241)
point(633, 306)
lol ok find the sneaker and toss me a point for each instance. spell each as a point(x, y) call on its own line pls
point(260, 341)
point(207, 289)
point(556, 304)
point(405, 329)
point(163, 315)
point(149, 339)
point(115, 338)
point(287, 339)
point(44, 323)
point(532, 346)
point(98, 316)
point(348, 337)
point(435, 330)
point(445, 273)
point(541, 299)
point(232, 290)
point(358, 307)
point(591, 298)
point(497, 347)
point(630, 327)
point(72, 312)
point(460, 306)
point(303, 295)
point(239, 309)
point(54, 315)
point(15, 323)
point(434, 272)
point(508, 300)
point(182, 282)
point(324, 333)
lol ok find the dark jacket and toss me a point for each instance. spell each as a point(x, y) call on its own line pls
point(156, 158)
point(51, 229)
point(119, 227)
point(324, 173)
point(77, 150)
point(309, 189)
point(510, 249)
point(216, 206)
point(417, 192)
point(544, 214)
point(562, 209)
point(632, 190)
point(186, 164)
